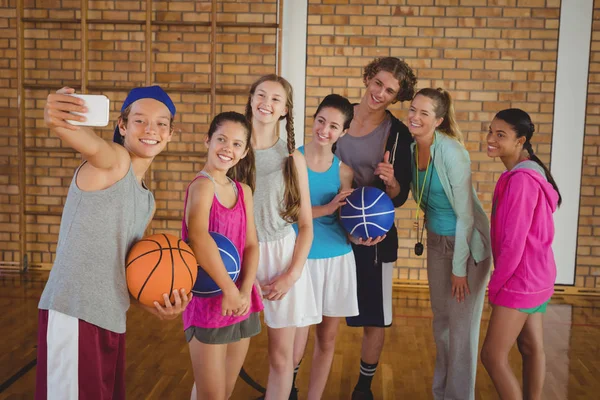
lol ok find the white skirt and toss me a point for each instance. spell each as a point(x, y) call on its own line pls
point(298, 307)
point(334, 284)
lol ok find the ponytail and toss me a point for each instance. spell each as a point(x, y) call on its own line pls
point(291, 196)
point(549, 177)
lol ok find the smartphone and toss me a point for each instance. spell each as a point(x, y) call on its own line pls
point(98, 109)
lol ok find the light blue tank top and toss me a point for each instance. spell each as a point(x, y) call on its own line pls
point(329, 236)
point(441, 218)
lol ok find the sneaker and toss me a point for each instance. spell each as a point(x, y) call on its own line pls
point(359, 395)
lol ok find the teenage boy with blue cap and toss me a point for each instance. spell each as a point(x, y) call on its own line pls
point(81, 331)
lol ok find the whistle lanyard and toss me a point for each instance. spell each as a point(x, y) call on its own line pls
point(420, 195)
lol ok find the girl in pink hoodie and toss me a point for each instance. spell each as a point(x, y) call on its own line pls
point(522, 230)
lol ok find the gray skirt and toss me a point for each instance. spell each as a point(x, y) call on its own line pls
point(227, 334)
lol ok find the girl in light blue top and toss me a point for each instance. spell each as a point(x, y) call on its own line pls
point(458, 242)
point(330, 263)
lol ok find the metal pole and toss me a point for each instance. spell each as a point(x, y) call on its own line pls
point(21, 133)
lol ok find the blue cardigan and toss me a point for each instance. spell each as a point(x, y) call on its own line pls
point(453, 165)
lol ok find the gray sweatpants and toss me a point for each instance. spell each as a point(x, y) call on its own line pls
point(455, 325)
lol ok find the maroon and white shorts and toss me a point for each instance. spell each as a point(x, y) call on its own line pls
point(78, 360)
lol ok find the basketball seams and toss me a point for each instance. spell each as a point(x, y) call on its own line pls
point(149, 276)
point(148, 252)
point(147, 272)
point(368, 215)
point(228, 253)
point(359, 220)
point(362, 196)
point(159, 249)
point(172, 267)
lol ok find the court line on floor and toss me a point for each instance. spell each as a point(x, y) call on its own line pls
point(18, 375)
point(248, 379)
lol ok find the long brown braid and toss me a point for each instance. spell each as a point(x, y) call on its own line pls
point(291, 195)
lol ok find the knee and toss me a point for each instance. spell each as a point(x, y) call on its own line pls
point(280, 362)
point(492, 358)
point(374, 334)
point(210, 393)
point(528, 347)
point(325, 342)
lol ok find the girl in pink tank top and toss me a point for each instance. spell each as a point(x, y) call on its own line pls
point(216, 203)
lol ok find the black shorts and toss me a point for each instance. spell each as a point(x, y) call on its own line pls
point(374, 289)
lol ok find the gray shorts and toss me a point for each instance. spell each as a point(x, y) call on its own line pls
point(227, 334)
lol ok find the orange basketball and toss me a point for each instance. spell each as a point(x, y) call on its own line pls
point(159, 264)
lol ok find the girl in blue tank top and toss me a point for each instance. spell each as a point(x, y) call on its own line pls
point(330, 262)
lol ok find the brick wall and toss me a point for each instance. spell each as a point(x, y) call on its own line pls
point(491, 54)
point(588, 250)
point(9, 185)
point(181, 61)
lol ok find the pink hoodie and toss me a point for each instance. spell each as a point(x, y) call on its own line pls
point(522, 230)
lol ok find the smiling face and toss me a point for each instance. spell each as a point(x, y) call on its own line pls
point(328, 126)
point(269, 102)
point(147, 128)
point(227, 146)
point(382, 90)
point(502, 140)
point(422, 120)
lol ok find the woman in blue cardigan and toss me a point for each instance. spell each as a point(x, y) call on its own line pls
point(458, 241)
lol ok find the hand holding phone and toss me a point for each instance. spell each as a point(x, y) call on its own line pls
point(97, 110)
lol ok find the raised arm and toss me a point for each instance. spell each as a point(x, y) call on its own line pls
point(95, 150)
point(250, 263)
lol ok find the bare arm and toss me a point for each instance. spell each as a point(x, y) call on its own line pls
point(346, 176)
point(305, 225)
point(250, 263)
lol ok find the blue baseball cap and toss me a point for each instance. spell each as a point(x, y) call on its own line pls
point(148, 92)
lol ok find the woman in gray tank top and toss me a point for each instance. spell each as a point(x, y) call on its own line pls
point(281, 198)
point(83, 306)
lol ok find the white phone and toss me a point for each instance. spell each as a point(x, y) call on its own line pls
point(98, 110)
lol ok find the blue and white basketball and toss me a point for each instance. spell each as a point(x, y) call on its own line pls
point(205, 286)
point(368, 213)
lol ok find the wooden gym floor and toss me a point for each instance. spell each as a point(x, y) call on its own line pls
point(158, 365)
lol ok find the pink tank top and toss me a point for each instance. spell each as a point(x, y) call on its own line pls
point(205, 312)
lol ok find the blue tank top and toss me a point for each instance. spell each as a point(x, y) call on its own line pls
point(329, 237)
point(440, 215)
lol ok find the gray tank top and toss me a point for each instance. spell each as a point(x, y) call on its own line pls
point(87, 280)
point(268, 196)
point(363, 153)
